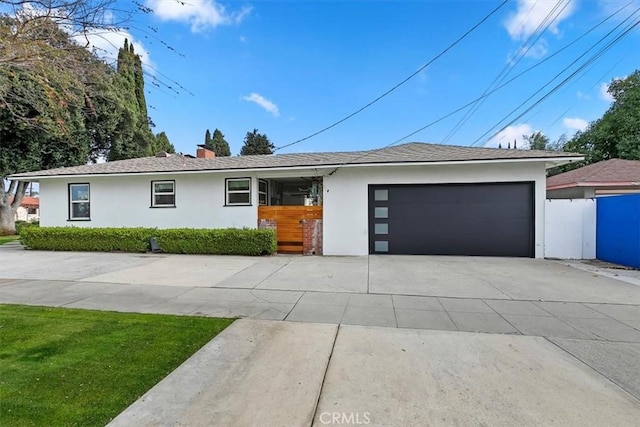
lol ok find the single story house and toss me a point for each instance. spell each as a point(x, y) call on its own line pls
point(29, 209)
point(609, 177)
point(414, 198)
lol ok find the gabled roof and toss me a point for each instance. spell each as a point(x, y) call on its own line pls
point(613, 172)
point(28, 202)
point(414, 152)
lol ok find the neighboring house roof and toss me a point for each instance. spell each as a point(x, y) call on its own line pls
point(414, 152)
point(28, 202)
point(608, 173)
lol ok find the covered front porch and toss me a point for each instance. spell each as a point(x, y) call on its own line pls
point(293, 207)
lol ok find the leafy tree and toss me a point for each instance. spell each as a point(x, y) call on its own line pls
point(162, 143)
point(220, 145)
point(617, 133)
point(59, 104)
point(48, 105)
point(207, 140)
point(255, 143)
point(537, 141)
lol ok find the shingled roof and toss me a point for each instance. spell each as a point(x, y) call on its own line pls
point(414, 152)
point(609, 172)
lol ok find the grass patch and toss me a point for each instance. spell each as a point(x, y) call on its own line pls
point(7, 239)
point(83, 367)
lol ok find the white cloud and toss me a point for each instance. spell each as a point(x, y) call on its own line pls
point(510, 134)
point(200, 14)
point(537, 51)
point(604, 92)
point(107, 43)
point(263, 102)
point(582, 96)
point(532, 14)
point(575, 123)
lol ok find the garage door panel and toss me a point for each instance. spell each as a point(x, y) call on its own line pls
point(458, 219)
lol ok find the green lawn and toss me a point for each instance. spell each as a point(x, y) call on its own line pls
point(7, 239)
point(83, 367)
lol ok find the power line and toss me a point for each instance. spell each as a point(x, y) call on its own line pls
point(605, 74)
point(527, 45)
point(505, 84)
point(451, 46)
point(593, 58)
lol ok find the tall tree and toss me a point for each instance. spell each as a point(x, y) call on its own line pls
point(59, 104)
point(256, 143)
point(617, 133)
point(537, 141)
point(207, 140)
point(220, 145)
point(141, 141)
point(49, 102)
point(162, 143)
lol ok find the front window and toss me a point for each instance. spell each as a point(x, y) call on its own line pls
point(263, 192)
point(163, 194)
point(79, 205)
point(238, 191)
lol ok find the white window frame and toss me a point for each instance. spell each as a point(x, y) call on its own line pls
point(265, 193)
point(72, 202)
point(154, 194)
point(228, 192)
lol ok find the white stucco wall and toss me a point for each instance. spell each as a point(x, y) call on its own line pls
point(124, 201)
point(570, 229)
point(345, 218)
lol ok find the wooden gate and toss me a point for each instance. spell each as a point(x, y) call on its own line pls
point(289, 224)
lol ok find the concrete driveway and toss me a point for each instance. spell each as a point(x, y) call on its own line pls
point(558, 344)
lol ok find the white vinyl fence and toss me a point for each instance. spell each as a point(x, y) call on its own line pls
point(570, 228)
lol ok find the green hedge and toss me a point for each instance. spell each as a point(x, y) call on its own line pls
point(20, 225)
point(230, 241)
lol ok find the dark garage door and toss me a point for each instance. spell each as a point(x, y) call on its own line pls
point(493, 219)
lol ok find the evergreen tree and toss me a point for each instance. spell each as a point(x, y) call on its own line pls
point(162, 143)
point(219, 145)
point(135, 139)
point(207, 140)
point(255, 143)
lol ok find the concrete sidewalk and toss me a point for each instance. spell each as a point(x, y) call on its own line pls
point(608, 322)
point(558, 344)
point(263, 373)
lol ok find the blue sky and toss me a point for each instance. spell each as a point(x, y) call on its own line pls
point(290, 68)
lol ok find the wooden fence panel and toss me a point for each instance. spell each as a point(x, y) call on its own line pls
point(289, 224)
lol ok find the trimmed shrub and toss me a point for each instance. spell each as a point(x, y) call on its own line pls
point(20, 225)
point(231, 241)
point(87, 239)
point(227, 241)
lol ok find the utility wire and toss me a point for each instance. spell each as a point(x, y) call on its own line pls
point(438, 120)
point(528, 44)
point(605, 74)
point(502, 85)
point(593, 58)
point(451, 46)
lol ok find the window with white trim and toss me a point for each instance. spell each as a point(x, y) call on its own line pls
point(79, 203)
point(263, 192)
point(238, 191)
point(163, 194)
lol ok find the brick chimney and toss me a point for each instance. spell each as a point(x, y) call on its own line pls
point(204, 153)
